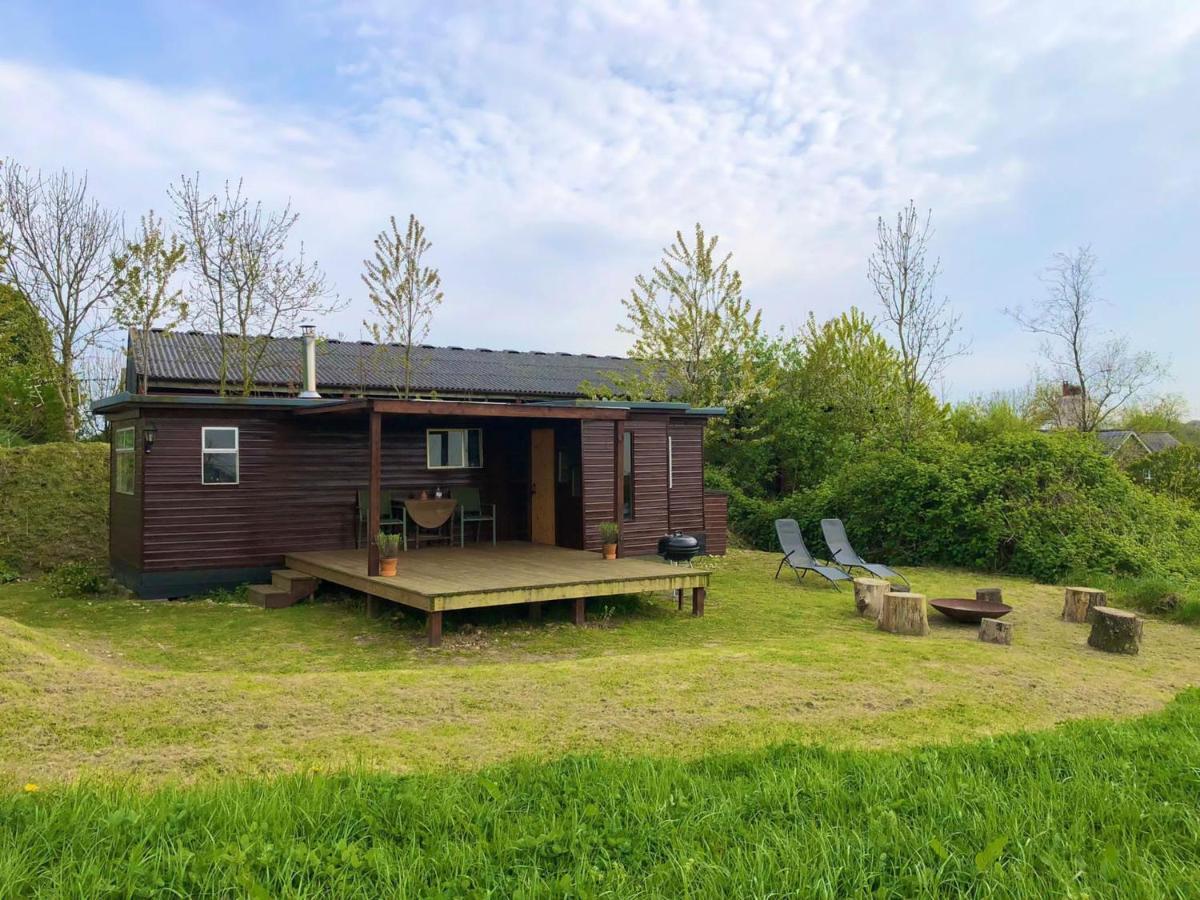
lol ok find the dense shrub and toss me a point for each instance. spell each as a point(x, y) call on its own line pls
point(1032, 504)
point(53, 505)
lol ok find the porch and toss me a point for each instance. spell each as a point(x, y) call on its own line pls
point(439, 579)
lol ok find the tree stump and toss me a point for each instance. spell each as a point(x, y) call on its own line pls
point(989, 595)
point(995, 631)
point(1079, 602)
point(868, 596)
point(904, 613)
point(1115, 631)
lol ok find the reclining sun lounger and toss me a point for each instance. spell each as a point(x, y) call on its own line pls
point(796, 555)
point(844, 554)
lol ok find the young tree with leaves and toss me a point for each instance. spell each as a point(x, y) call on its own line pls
point(691, 324)
point(146, 291)
point(60, 244)
point(404, 292)
point(1102, 371)
point(904, 277)
point(247, 284)
point(30, 408)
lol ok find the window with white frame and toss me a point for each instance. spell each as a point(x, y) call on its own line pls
point(454, 448)
point(125, 463)
point(219, 456)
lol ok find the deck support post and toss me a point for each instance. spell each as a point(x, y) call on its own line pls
point(535, 613)
point(698, 594)
point(579, 610)
point(679, 598)
point(433, 627)
point(374, 606)
point(373, 488)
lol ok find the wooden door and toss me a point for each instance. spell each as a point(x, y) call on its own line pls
point(541, 485)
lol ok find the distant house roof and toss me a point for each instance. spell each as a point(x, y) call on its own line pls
point(1114, 439)
point(1152, 441)
point(189, 361)
point(1157, 441)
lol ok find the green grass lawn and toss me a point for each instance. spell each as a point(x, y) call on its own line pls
point(779, 746)
point(195, 691)
point(1088, 810)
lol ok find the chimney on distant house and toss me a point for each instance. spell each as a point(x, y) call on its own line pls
point(309, 363)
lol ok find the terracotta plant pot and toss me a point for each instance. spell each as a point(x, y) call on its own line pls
point(610, 551)
point(388, 566)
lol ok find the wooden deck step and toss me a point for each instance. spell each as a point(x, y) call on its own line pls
point(268, 596)
point(299, 585)
point(287, 587)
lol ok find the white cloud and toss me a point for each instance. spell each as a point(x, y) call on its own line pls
point(553, 151)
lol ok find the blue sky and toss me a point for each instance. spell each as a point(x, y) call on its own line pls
point(553, 150)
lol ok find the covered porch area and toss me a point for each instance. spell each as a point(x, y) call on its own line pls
point(441, 579)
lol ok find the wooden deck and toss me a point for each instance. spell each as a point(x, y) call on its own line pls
point(438, 579)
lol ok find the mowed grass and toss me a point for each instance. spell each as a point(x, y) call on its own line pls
point(1089, 810)
point(199, 691)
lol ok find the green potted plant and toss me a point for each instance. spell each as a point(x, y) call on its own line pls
point(389, 552)
point(610, 533)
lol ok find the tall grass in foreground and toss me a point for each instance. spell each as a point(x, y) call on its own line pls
point(1093, 809)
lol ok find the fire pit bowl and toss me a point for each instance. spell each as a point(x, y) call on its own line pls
point(970, 611)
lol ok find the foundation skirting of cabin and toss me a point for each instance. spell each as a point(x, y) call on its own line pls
point(187, 582)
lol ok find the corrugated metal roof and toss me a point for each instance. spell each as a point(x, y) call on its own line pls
point(192, 358)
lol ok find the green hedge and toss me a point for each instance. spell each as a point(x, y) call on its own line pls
point(1037, 505)
point(53, 505)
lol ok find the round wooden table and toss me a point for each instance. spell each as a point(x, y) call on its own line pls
point(431, 515)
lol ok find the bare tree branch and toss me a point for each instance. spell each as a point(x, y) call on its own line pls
point(905, 281)
point(247, 285)
point(1100, 372)
point(60, 244)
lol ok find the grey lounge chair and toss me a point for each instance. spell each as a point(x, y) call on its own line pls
point(844, 554)
point(796, 555)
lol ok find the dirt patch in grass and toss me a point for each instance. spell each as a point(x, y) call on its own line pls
point(195, 690)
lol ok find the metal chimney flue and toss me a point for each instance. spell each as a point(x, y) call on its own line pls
point(309, 364)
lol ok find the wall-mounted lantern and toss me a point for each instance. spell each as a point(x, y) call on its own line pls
point(149, 433)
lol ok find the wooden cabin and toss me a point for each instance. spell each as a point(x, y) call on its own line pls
point(213, 491)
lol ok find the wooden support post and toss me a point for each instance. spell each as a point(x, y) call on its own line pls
point(995, 631)
point(579, 610)
point(1115, 631)
point(679, 598)
point(433, 627)
point(904, 612)
point(868, 596)
point(535, 613)
point(698, 595)
point(373, 488)
point(1078, 603)
point(374, 606)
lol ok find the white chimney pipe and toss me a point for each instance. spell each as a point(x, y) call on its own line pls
point(309, 333)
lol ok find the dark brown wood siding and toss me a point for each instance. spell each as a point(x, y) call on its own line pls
point(716, 523)
point(641, 533)
point(125, 510)
point(686, 487)
point(298, 483)
point(599, 491)
point(653, 506)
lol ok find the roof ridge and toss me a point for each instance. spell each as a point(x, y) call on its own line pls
point(344, 340)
